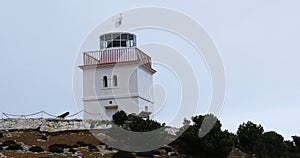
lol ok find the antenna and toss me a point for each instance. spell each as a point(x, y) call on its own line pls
point(119, 20)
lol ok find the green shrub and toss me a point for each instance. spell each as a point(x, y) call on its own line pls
point(120, 117)
point(102, 143)
point(36, 149)
point(75, 146)
point(145, 154)
point(8, 142)
point(14, 147)
point(82, 144)
point(92, 147)
point(123, 154)
point(58, 148)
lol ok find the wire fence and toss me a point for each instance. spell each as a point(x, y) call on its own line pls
point(43, 113)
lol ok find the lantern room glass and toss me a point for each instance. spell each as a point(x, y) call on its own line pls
point(117, 39)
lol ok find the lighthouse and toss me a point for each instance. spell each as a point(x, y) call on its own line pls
point(118, 76)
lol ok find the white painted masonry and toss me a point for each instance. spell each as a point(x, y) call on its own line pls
point(131, 88)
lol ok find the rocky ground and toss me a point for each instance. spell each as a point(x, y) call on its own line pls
point(36, 144)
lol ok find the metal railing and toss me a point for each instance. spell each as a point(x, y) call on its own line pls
point(112, 56)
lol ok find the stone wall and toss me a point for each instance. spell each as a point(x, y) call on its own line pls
point(52, 125)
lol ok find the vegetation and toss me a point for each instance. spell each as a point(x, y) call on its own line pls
point(14, 147)
point(92, 147)
point(250, 138)
point(293, 147)
point(82, 144)
point(8, 142)
point(58, 148)
point(123, 154)
point(135, 123)
point(75, 146)
point(216, 143)
point(72, 150)
point(119, 118)
point(249, 135)
point(145, 154)
point(36, 149)
point(11, 145)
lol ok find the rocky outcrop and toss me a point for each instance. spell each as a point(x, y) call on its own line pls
point(52, 125)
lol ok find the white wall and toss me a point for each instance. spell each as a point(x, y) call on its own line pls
point(145, 81)
point(131, 94)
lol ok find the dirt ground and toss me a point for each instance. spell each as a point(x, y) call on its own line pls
point(36, 138)
point(44, 140)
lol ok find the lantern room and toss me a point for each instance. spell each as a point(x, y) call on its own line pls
point(117, 40)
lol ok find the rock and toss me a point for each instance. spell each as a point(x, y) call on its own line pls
point(104, 152)
point(52, 125)
point(41, 140)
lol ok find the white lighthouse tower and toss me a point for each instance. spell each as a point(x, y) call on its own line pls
point(119, 76)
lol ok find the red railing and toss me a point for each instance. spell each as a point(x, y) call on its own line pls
point(119, 55)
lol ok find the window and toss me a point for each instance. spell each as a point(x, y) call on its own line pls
point(115, 80)
point(110, 102)
point(116, 43)
point(123, 43)
point(105, 83)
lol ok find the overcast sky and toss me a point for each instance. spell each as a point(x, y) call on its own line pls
point(257, 40)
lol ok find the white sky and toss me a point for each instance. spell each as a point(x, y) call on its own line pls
point(258, 42)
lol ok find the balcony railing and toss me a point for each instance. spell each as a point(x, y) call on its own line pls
point(112, 56)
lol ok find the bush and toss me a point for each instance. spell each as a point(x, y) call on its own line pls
point(145, 154)
point(119, 118)
point(138, 124)
point(102, 143)
point(58, 148)
point(14, 147)
point(8, 142)
point(123, 154)
point(82, 144)
point(36, 149)
point(92, 147)
point(75, 146)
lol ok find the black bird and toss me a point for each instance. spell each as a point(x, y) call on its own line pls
point(63, 115)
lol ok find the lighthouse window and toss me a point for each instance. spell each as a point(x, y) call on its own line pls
point(124, 36)
point(116, 43)
point(115, 80)
point(105, 84)
point(116, 36)
point(109, 44)
point(123, 43)
point(130, 37)
point(108, 37)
